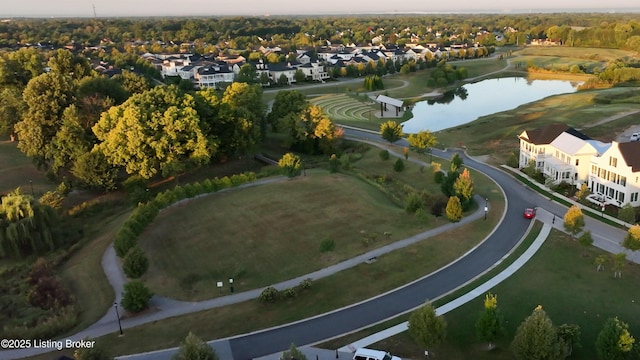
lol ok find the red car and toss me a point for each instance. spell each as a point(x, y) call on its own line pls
point(529, 213)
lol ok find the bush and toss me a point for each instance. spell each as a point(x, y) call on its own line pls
point(438, 206)
point(306, 283)
point(269, 295)
point(413, 202)
point(327, 245)
point(135, 263)
point(136, 296)
point(334, 164)
point(384, 155)
point(438, 177)
point(398, 166)
point(124, 241)
point(289, 293)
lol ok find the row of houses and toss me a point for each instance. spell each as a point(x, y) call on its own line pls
point(611, 171)
point(209, 71)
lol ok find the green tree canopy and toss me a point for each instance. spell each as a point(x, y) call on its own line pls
point(193, 348)
point(287, 103)
point(311, 131)
point(157, 132)
point(537, 339)
point(614, 342)
point(426, 328)
point(490, 323)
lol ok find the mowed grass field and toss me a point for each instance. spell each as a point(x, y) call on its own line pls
point(17, 170)
point(564, 282)
point(265, 234)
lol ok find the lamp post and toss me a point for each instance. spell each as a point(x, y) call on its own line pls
point(602, 209)
point(31, 184)
point(486, 207)
point(115, 304)
point(231, 285)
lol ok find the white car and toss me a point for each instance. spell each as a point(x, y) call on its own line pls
point(369, 354)
point(635, 137)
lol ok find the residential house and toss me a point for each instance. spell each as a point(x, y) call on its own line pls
point(314, 71)
point(571, 157)
point(535, 145)
point(213, 76)
point(615, 175)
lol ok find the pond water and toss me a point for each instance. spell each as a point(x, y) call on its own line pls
point(486, 97)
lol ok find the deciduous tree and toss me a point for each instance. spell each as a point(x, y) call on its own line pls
point(426, 328)
point(632, 240)
point(391, 131)
point(454, 209)
point(463, 188)
point(585, 240)
point(537, 339)
point(574, 220)
point(157, 132)
point(614, 342)
point(193, 348)
point(422, 141)
point(286, 103)
point(490, 324)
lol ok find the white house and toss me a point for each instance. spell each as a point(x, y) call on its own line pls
point(615, 175)
point(212, 76)
point(536, 144)
point(570, 158)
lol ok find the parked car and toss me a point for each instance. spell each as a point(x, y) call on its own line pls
point(529, 213)
point(370, 354)
point(635, 137)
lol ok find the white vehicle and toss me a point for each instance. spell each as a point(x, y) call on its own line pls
point(369, 354)
point(635, 137)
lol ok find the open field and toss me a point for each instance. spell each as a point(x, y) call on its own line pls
point(595, 54)
point(574, 292)
point(252, 234)
point(258, 236)
point(17, 170)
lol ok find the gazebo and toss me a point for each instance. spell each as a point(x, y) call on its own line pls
point(385, 100)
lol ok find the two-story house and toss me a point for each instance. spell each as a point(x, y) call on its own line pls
point(615, 175)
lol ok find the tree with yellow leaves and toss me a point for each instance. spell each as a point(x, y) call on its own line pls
point(574, 220)
point(490, 324)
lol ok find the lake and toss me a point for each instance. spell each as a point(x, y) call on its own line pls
point(486, 97)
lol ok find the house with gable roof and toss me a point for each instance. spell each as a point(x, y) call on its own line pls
point(611, 171)
point(615, 175)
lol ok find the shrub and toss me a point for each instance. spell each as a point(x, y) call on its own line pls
point(135, 263)
point(438, 177)
point(94, 352)
point(306, 283)
point(413, 202)
point(384, 154)
point(454, 209)
point(334, 164)
point(290, 164)
point(124, 241)
point(289, 293)
point(398, 166)
point(269, 295)
point(327, 245)
point(136, 296)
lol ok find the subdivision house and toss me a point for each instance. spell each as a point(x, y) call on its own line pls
point(563, 154)
point(615, 175)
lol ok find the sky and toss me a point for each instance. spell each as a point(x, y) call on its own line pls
point(110, 8)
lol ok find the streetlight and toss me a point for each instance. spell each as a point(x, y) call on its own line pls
point(115, 304)
point(486, 207)
point(231, 284)
point(602, 209)
point(31, 184)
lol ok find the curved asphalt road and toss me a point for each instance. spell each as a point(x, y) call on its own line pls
point(413, 295)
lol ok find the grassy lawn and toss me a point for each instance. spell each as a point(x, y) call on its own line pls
point(563, 279)
point(17, 170)
point(205, 232)
point(595, 54)
point(251, 235)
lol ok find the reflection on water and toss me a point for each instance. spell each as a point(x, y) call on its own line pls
point(486, 97)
